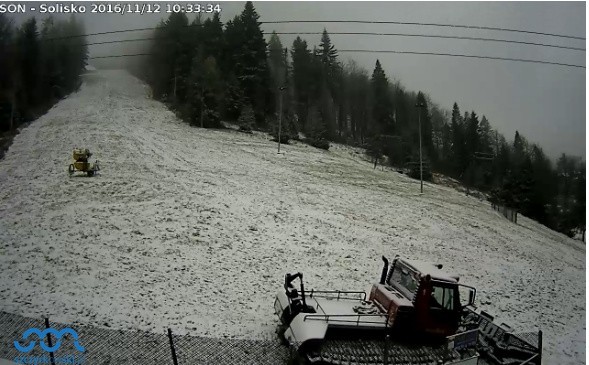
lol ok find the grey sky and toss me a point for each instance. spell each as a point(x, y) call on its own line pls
point(546, 103)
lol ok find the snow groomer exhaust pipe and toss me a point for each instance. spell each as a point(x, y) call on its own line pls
point(385, 269)
point(291, 292)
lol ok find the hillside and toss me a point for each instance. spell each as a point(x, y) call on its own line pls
point(194, 229)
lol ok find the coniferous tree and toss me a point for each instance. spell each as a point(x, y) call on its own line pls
point(28, 60)
point(204, 93)
point(579, 211)
point(278, 68)
point(38, 66)
point(485, 138)
point(212, 39)
point(7, 74)
point(248, 48)
point(357, 96)
point(458, 146)
point(426, 129)
point(301, 73)
point(329, 84)
point(543, 177)
point(247, 118)
point(172, 51)
point(382, 114)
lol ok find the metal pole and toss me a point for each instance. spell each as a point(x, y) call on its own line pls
point(12, 107)
point(174, 358)
point(175, 82)
point(202, 102)
point(540, 345)
point(51, 356)
point(280, 120)
point(420, 159)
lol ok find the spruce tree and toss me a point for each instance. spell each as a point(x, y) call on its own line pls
point(251, 63)
point(28, 62)
point(7, 73)
point(381, 102)
point(301, 64)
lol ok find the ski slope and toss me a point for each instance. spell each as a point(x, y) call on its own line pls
point(194, 229)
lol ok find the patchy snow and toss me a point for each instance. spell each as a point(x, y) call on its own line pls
point(194, 229)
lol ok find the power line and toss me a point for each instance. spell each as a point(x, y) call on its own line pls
point(462, 55)
point(426, 24)
point(343, 21)
point(121, 41)
point(380, 34)
point(402, 52)
point(122, 55)
point(437, 36)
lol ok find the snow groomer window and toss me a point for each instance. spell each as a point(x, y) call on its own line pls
point(442, 298)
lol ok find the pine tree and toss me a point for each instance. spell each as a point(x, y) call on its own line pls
point(543, 188)
point(28, 61)
point(518, 150)
point(579, 211)
point(485, 144)
point(327, 52)
point(426, 128)
point(173, 50)
point(357, 93)
point(247, 119)
point(471, 147)
point(212, 38)
point(278, 67)
point(251, 65)
point(446, 149)
point(204, 93)
point(7, 74)
point(301, 65)
point(459, 160)
point(381, 102)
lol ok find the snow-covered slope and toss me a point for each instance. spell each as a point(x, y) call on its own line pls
point(194, 229)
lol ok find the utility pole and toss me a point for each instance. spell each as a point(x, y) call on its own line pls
point(281, 89)
point(202, 102)
point(420, 105)
point(12, 107)
point(175, 83)
point(280, 118)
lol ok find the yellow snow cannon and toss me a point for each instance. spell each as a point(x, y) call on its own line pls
point(81, 163)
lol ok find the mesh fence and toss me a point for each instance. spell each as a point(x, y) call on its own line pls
point(508, 213)
point(199, 350)
point(109, 346)
point(12, 328)
point(127, 347)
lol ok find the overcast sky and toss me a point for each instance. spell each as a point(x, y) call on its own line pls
point(546, 103)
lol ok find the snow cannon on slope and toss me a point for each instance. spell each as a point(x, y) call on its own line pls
point(413, 315)
point(81, 164)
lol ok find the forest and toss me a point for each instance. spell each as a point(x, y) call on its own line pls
point(207, 71)
point(39, 65)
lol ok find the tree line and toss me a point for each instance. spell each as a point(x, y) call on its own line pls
point(39, 64)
